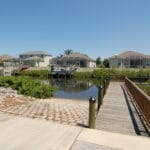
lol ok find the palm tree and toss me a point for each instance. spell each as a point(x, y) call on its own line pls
point(68, 52)
point(98, 61)
point(106, 63)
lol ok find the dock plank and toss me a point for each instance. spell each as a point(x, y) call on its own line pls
point(114, 115)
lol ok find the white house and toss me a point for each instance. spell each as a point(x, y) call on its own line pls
point(36, 58)
point(8, 64)
point(130, 59)
point(76, 59)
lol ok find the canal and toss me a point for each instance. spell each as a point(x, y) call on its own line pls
point(75, 89)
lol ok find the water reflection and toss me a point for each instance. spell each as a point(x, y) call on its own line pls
point(74, 89)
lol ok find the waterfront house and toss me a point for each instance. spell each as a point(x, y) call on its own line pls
point(5, 58)
point(36, 58)
point(75, 59)
point(8, 64)
point(130, 59)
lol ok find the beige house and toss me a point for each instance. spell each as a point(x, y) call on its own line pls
point(76, 59)
point(130, 59)
point(36, 58)
point(5, 57)
point(8, 64)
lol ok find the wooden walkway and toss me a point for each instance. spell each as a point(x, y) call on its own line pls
point(117, 113)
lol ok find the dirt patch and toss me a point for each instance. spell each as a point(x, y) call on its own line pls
point(8, 101)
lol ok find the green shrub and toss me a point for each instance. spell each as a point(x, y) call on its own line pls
point(101, 73)
point(27, 86)
point(136, 73)
point(114, 73)
point(145, 86)
point(35, 73)
point(82, 75)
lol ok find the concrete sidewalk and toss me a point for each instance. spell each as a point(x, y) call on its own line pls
point(18, 133)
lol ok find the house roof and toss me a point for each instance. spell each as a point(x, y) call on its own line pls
point(77, 55)
point(36, 53)
point(34, 58)
point(130, 54)
point(5, 57)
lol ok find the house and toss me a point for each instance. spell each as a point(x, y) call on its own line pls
point(130, 59)
point(7, 61)
point(8, 64)
point(75, 59)
point(36, 58)
point(5, 57)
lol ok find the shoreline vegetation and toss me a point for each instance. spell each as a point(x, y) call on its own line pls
point(26, 85)
point(96, 73)
point(145, 86)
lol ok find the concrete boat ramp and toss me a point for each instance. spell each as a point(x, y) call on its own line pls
point(18, 133)
point(34, 126)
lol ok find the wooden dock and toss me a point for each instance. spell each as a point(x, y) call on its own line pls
point(117, 114)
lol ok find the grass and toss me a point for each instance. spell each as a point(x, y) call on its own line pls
point(145, 86)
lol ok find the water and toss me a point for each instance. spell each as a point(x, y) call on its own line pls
point(72, 89)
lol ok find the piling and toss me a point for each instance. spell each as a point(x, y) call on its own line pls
point(100, 97)
point(92, 112)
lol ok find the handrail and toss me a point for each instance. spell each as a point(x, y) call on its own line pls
point(141, 99)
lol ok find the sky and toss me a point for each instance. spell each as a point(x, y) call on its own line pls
point(98, 28)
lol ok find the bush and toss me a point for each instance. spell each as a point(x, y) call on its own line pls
point(114, 73)
point(27, 86)
point(145, 86)
point(82, 75)
point(101, 73)
point(34, 73)
point(136, 73)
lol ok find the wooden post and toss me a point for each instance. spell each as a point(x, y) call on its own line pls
point(92, 112)
point(104, 91)
point(107, 83)
point(100, 97)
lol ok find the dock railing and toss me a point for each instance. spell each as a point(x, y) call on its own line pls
point(141, 99)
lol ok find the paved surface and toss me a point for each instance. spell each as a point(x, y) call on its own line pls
point(114, 141)
point(71, 112)
point(20, 133)
point(114, 115)
point(55, 124)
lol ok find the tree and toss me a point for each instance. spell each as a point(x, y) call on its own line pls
point(57, 60)
point(68, 52)
point(98, 61)
point(106, 63)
